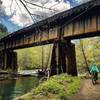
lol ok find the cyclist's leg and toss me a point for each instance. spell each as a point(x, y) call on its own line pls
point(97, 75)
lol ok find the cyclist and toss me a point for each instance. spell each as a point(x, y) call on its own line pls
point(94, 71)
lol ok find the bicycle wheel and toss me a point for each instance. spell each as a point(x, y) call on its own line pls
point(93, 81)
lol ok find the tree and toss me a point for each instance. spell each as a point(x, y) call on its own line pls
point(3, 31)
point(83, 52)
point(87, 52)
point(0, 3)
point(35, 58)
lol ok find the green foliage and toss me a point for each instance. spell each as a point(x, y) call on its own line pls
point(73, 87)
point(3, 31)
point(61, 87)
point(28, 58)
point(91, 47)
point(51, 86)
point(63, 95)
point(31, 58)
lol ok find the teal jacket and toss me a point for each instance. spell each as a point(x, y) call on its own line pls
point(94, 68)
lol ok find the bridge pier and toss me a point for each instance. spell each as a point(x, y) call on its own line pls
point(63, 58)
point(8, 60)
point(1, 60)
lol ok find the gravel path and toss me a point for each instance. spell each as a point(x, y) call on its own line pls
point(88, 91)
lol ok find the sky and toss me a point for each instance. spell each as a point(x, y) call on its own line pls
point(16, 16)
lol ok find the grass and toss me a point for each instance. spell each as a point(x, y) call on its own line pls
point(58, 87)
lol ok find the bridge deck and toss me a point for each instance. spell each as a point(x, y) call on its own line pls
point(69, 24)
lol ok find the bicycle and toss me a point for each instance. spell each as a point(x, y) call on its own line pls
point(94, 77)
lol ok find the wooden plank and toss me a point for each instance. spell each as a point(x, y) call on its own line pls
point(17, 42)
point(13, 44)
point(29, 39)
point(65, 31)
point(87, 25)
point(90, 24)
point(53, 33)
point(45, 35)
point(25, 40)
point(21, 42)
point(37, 37)
point(32, 38)
point(68, 30)
point(81, 27)
point(94, 24)
point(98, 22)
point(75, 28)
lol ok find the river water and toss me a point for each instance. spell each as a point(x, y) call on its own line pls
point(12, 88)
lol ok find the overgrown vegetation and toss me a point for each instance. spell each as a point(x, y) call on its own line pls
point(58, 87)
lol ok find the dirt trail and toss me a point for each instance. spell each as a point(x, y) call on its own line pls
point(88, 91)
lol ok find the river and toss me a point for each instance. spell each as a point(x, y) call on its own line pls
point(12, 88)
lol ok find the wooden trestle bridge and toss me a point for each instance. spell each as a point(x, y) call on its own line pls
point(79, 22)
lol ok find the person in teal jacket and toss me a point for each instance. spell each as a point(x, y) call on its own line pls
point(95, 70)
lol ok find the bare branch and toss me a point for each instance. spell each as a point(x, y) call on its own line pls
point(11, 6)
point(18, 6)
point(39, 6)
point(27, 10)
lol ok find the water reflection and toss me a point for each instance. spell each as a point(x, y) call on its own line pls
point(6, 89)
point(12, 88)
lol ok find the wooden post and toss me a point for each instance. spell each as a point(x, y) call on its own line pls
point(9, 60)
point(63, 58)
point(14, 61)
point(0, 60)
point(70, 59)
point(53, 70)
point(5, 59)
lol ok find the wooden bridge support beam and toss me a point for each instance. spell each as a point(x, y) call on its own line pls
point(63, 59)
point(8, 60)
point(1, 60)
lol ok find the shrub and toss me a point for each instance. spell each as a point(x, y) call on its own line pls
point(58, 87)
